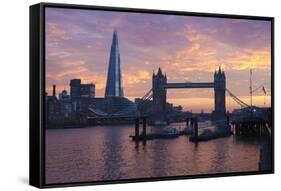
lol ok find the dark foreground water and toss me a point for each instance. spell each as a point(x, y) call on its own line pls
point(107, 153)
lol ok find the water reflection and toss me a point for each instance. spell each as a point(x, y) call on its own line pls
point(107, 153)
point(112, 156)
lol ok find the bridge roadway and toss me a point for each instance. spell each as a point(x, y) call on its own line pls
point(190, 85)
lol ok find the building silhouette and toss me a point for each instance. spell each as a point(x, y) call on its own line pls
point(159, 93)
point(79, 90)
point(219, 89)
point(114, 85)
point(65, 103)
point(114, 104)
point(52, 106)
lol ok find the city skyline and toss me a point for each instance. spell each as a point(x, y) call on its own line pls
point(186, 48)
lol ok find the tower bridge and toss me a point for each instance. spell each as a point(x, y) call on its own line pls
point(157, 96)
point(189, 85)
point(160, 85)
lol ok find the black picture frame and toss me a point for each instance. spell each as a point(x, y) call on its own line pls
point(37, 93)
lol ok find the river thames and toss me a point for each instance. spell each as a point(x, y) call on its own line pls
point(107, 153)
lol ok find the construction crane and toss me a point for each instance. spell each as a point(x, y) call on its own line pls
point(263, 90)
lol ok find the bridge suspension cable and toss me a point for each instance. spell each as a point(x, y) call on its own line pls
point(148, 95)
point(236, 99)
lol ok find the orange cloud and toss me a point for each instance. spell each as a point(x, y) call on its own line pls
point(250, 58)
point(192, 35)
point(205, 53)
point(70, 72)
point(99, 81)
point(191, 55)
point(198, 52)
point(137, 77)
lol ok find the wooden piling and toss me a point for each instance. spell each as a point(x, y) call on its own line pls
point(187, 122)
point(239, 129)
point(192, 122)
point(195, 128)
point(250, 128)
point(137, 124)
point(144, 128)
point(227, 119)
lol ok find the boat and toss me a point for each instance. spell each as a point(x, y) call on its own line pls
point(160, 123)
point(188, 130)
point(166, 133)
point(170, 132)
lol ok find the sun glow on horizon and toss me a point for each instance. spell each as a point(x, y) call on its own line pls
point(76, 48)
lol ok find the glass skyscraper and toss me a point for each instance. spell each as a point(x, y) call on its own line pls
point(114, 87)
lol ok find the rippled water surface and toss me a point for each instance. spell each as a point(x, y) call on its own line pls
point(107, 153)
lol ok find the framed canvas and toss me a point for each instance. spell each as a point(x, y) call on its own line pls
point(130, 95)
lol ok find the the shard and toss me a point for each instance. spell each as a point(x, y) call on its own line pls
point(114, 77)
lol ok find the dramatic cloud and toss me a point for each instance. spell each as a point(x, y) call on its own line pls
point(186, 48)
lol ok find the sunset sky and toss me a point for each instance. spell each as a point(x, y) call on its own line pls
point(186, 48)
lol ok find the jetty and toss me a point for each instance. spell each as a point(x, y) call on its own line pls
point(171, 132)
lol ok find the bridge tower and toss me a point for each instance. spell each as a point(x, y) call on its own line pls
point(159, 93)
point(219, 88)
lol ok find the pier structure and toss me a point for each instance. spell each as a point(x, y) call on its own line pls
point(251, 127)
point(143, 136)
point(140, 136)
point(193, 122)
